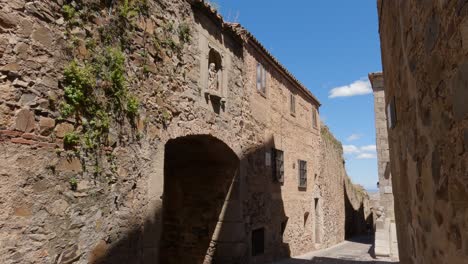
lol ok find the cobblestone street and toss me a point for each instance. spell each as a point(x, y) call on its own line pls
point(356, 251)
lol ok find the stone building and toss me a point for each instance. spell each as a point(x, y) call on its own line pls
point(155, 132)
point(425, 54)
point(386, 243)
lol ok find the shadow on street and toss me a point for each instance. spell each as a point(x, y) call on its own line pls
point(356, 250)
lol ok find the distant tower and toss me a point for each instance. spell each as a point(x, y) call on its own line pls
point(385, 235)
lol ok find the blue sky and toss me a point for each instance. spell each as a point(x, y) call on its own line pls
point(326, 45)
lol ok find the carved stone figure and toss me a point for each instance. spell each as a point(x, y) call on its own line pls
point(213, 82)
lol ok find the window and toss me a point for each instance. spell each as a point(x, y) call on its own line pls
point(292, 103)
point(302, 173)
point(278, 165)
point(261, 78)
point(314, 118)
point(258, 241)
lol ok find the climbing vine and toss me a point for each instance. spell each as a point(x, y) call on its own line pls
point(98, 90)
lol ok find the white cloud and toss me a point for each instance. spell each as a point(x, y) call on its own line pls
point(366, 156)
point(358, 87)
point(350, 149)
point(370, 148)
point(363, 152)
point(353, 137)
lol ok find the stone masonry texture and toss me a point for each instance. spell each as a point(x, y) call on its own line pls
point(165, 170)
point(385, 212)
point(424, 55)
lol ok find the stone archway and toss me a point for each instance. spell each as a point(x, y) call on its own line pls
point(199, 172)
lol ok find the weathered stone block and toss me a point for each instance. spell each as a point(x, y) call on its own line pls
point(24, 120)
point(23, 211)
point(62, 129)
point(10, 67)
point(69, 165)
point(7, 20)
point(27, 99)
point(58, 207)
point(46, 125)
point(43, 35)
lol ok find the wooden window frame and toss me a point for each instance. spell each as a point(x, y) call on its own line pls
point(314, 118)
point(261, 79)
point(302, 173)
point(292, 104)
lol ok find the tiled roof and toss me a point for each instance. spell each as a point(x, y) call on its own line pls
point(246, 36)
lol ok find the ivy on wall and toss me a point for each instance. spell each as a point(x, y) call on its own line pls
point(98, 92)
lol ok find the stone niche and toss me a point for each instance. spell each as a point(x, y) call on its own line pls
point(215, 63)
point(214, 89)
point(215, 75)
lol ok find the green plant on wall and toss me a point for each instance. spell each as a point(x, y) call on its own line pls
point(132, 106)
point(68, 12)
point(70, 140)
point(98, 89)
point(78, 84)
point(132, 8)
point(73, 183)
point(184, 33)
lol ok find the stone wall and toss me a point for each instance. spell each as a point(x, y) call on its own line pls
point(345, 207)
point(92, 97)
point(385, 225)
point(299, 139)
point(102, 204)
point(424, 55)
point(329, 188)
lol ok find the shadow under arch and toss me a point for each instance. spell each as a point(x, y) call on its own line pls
point(200, 175)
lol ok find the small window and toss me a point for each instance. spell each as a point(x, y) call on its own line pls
point(314, 118)
point(258, 241)
point(261, 78)
point(391, 113)
point(278, 165)
point(292, 103)
point(302, 174)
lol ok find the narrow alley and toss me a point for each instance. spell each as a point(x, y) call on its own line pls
point(355, 251)
point(233, 132)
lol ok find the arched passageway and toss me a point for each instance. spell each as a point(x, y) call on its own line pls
point(198, 174)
